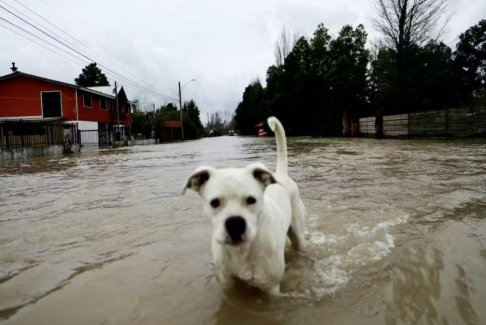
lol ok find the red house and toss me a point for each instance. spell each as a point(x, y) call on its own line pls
point(26, 96)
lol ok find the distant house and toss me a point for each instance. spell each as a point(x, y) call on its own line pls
point(26, 96)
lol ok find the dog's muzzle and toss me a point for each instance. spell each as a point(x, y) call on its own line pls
point(235, 227)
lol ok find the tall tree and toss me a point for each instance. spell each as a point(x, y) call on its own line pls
point(251, 110)
point(430, 80)
point(322, 117)
point(470, 57)
point(284, 45)
point(92, 77)
point(381, 84)
point(436, 77)
point(348, 74)
point(190, 108)
point(296, 108)
point(406, 25)
point(275, 97)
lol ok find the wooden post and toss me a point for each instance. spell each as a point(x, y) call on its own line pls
point(117, 104)
point(22, 133)
point(7, 140)
point(180, 107)
point(379, 123)
point(1, 135)
point(446, 125)
point(51, 135)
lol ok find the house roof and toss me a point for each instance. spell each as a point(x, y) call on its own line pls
point(110, 90)
point(30, 119)
point(65, 84)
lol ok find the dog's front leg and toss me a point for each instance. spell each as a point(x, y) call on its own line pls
point(224, 278)
point(270, 287)
point(274, 291)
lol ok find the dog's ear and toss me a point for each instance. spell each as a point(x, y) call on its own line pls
point(198, 178)
point(262, 174)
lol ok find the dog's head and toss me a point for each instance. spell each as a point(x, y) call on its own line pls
point(233, 199)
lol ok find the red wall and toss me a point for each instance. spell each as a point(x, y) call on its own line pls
point(93, 113)
point(20, 96)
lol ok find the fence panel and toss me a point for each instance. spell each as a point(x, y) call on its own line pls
point(428, 124)
point(17, 134)
point(367, 125)
point(395, 125)
point(455, 122)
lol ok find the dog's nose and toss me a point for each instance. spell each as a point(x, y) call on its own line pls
point(235, 226)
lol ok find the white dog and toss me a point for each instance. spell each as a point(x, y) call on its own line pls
point(252, 211)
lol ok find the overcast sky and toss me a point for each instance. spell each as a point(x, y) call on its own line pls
point(223, 44)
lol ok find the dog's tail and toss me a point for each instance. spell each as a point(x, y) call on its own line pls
point(279, 131)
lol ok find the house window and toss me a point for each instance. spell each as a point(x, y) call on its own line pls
point(87, 102)
point(102, 104)
point(51, 104)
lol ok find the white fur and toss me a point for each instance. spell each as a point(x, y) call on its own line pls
point(278, 211)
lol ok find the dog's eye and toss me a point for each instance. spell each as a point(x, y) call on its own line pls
point(215, 203)
point(250, 200)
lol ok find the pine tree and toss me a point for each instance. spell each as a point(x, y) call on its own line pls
point(92, 77)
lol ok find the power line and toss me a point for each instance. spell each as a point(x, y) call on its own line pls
point(65, 51)
point(78, 52)
point(41, 45)
point(47, 34)
point(70, 36)
point(61, 8)
point(36, 36)
point(47, 21)
point(64, 44)
point(30, 18)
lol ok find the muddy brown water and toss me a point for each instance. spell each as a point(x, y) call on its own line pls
point(396, 234)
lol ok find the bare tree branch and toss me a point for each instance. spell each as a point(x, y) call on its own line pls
point(284, 45)
point(405, 23)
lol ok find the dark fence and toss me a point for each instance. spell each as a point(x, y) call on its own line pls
point(17, 134)
point(102, 138)
point(448, 123)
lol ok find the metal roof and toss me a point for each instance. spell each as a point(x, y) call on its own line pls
point(108, 90)
point(30, 119)
point(89, 90)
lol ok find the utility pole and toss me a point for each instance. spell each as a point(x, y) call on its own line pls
point(180, 107)
point(117, 113)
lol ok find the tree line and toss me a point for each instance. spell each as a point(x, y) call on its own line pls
point(321, 85)
point(151, 123)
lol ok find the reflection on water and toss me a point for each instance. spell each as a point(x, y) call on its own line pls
point(463, 298)
point(416, 285)
point(436, 279)
point(396, 235)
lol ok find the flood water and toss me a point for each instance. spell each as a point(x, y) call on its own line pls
point(396, 234)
